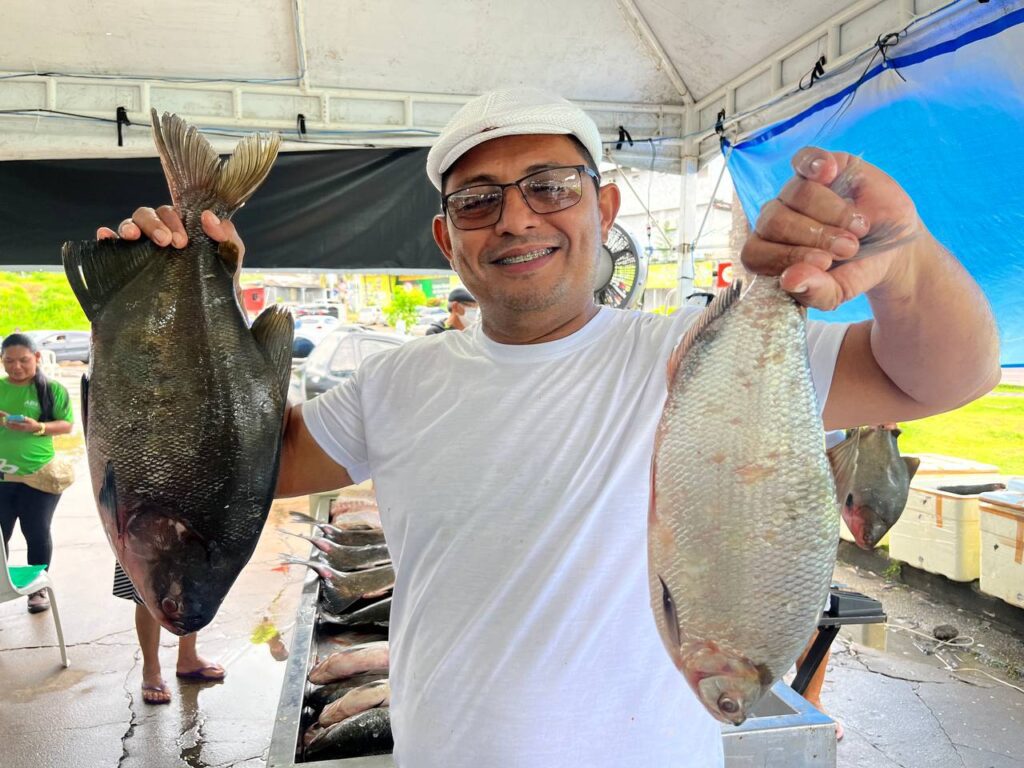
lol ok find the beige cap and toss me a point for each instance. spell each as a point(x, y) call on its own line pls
point(509, 112)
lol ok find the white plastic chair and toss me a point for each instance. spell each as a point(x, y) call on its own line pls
point(41, 580)
point(48, 358)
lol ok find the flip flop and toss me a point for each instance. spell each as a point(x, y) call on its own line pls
point(839, 731)
point(211, 673)
point(161, 688)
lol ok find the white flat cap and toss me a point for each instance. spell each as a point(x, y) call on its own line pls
point(509, 112)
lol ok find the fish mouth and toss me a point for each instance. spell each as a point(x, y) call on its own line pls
point(859, 520)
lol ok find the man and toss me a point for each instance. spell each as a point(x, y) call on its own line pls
point(521, 632)
point(463, 311)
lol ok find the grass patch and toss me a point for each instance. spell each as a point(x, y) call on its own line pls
point(989, 430)
point(34, 301)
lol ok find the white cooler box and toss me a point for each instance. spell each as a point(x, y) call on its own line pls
point(939, 531)
point(1002, 543)
point(937, 469)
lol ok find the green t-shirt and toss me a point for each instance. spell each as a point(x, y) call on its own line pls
point(22, 453)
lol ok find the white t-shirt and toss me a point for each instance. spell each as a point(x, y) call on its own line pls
point(513, 484)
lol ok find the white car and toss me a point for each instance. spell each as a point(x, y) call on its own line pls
point(314, 327)
point(371, 316)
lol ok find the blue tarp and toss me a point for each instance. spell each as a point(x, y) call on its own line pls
point(944, 116)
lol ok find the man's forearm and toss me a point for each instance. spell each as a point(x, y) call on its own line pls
point(934, 335)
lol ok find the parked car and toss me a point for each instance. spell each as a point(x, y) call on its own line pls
point(314, 327)
point(371, 316)
point(339, 355)
point(65, 345)
point(427, 316)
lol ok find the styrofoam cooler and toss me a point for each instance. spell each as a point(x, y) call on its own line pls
point(1002, 543)
point(937, 469)
point(938, 531)
point(952, 470)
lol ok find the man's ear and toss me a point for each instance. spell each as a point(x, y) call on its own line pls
point(442, 237)
point(608, 201)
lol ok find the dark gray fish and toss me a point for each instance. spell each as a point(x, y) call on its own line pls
point(378, 613)
point(350, 537)
point(345, 558)
point(350, 584)
point(368, 733)
point(880, 487)
point(185, 402)
point(319, 696)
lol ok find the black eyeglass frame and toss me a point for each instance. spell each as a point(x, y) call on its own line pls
point(580, 169)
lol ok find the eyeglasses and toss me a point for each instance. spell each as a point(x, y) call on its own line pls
point(547, 191)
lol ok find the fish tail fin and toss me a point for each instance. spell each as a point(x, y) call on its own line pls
point(296, 535)
point(718, 307)
point(321, 569)
point(196, 175)
point(302, 517)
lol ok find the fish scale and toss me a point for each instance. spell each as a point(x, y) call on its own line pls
point(743, 522)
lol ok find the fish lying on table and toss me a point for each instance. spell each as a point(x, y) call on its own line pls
point(356, 700)
point(318, 697)
point(377, 613)
point(339, 589)
point(183, 408)
point(356, 537)
point(345, 558)
point(369, 657)
point(368, 733)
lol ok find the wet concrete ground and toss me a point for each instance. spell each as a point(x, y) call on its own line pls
point(901, 706)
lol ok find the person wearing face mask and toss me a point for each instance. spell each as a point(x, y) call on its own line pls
point(463, 311)
point(32, 410)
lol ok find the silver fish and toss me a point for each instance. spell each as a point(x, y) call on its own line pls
point(743, 524)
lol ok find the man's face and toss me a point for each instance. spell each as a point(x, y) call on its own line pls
point(560, 248)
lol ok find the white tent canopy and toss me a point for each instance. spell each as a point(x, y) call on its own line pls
point(391, 72)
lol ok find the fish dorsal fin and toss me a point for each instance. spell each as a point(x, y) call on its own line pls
point(273, 331)
point(97, 269)
point(843, 458)
point(718, 307)
point(195, 173)
point(912, 463)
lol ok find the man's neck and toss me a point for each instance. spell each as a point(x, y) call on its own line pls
point(527, 329)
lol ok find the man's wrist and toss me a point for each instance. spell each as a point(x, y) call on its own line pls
point(41, 432)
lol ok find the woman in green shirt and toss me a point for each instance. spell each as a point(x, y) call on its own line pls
point(32, 410)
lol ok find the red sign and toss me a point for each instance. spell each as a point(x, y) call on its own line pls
point(724, 274)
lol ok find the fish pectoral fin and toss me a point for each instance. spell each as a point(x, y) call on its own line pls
point(230, 255)
point(97, 269)
point(668, 606)
point(912, 463)
point(843, 458)
point(718, 307)
point(273, 332)
point(107, 500)
point(85, 405)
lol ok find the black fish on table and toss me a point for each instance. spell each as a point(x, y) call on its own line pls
point(368, 733)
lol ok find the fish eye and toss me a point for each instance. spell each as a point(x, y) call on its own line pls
point(171, 607)
point(727, 705)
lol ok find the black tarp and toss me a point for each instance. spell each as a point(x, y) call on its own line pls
point(333, 210)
